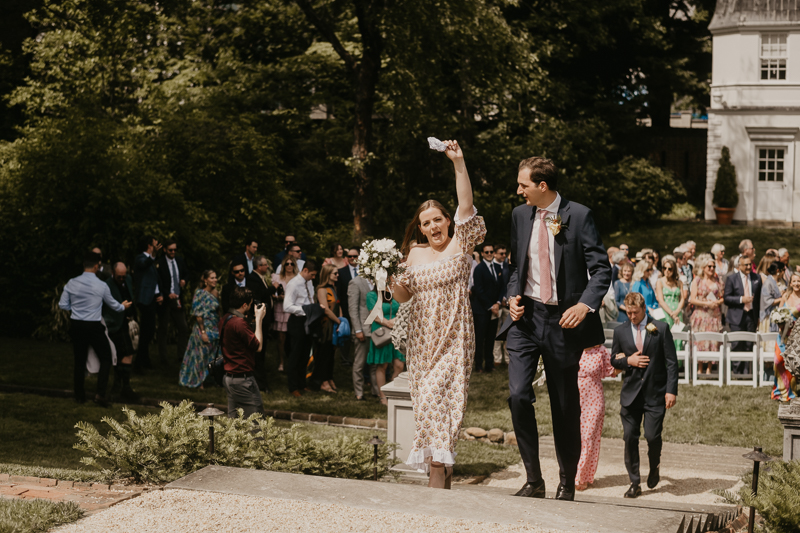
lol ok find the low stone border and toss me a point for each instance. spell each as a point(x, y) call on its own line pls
point(494, 436)
point(313, 418)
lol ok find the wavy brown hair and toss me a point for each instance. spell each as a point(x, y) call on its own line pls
point(414, 234)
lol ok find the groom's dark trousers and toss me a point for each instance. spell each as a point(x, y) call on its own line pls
point(538, 334)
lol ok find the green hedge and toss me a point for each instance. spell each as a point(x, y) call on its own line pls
point(159, 448)
point(36, 516)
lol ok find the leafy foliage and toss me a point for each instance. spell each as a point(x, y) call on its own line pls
point(725, 193)
point(67, 474)
point(36, 516)
point(208, 121)
point(778, 499)
point(164, 447)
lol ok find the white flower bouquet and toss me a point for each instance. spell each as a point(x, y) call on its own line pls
point(784, 317)
point(378, 261)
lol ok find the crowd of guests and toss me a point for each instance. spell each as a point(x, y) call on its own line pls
point(116, 316)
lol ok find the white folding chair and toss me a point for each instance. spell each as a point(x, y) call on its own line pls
point(684, 355)
point(766, 354)
point(609, 341)
point(708, 356)
point(609, 333)
point(734, 357)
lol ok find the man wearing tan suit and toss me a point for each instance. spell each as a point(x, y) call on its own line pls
point(357, 291)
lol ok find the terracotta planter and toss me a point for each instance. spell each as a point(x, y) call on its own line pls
point(724, 215)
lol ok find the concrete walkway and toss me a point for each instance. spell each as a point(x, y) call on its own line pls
point(689, 473)
point(468, 505)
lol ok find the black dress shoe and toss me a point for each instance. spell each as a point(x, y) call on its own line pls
point(653, 478)
point(634, 492)
point(532, 490)
point(565, 493)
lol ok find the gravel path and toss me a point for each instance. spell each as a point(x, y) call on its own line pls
point(692, 486)
point(182, 511)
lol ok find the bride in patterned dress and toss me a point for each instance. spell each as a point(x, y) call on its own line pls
point(441, 337)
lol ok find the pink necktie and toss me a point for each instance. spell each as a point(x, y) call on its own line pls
point(749, 306)
point(639, 343)
point(545, 283)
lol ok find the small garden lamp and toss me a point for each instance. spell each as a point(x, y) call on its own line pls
point(376, 441)
point(210, 412)
point(757, 457)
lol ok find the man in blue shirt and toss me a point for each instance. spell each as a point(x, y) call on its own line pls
point(84, 297)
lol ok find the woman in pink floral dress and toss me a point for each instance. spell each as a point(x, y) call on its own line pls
point(706, 297)
point(441, 338)
point(595, 365)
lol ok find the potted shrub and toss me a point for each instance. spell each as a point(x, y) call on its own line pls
point(726, 198)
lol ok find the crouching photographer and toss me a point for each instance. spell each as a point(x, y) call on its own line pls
point(239, 347)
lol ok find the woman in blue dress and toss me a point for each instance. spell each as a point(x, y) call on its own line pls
point(622, 287)
point(386, 354)
point(203, 344)
point(641, 284)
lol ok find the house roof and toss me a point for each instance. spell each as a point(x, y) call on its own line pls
point(737, 13)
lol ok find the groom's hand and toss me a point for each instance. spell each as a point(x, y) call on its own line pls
point(515, 310)
point(573, 316)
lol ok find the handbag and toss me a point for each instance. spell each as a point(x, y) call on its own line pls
point(382, 336)
point(133, 331)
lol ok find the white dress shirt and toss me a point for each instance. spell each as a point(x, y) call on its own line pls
point(175, 283)
point(642, 326)
point(532, 285)
point(242, 283)
point(249, 262)
point(298, 294)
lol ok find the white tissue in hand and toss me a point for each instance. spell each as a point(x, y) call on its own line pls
point(436, 144)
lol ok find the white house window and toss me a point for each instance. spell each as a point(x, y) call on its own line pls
point(773, 56)
point(770, 164)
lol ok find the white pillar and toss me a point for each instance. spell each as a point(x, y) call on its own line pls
point(400, 424)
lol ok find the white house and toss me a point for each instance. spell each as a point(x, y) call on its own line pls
point(755, 107)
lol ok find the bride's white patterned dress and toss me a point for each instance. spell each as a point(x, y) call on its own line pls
point(441, 346)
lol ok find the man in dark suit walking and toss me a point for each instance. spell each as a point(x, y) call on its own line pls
point(553, 304)
point(743, 297)
point(644, 349)
point(487, 291)
point(172, 275)
point(148, 297)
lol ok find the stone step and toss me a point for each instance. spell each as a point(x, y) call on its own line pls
point(465, 503)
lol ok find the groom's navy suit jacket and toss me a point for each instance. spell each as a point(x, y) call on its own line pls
point(659, 377)
point(578, 252)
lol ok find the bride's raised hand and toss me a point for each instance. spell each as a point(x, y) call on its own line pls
point(453, 150)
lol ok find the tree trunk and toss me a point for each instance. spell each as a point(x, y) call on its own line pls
point(366, 80)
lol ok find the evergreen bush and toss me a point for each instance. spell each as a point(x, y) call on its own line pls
point(725, 194)
point(159, 448)
point(778, 499)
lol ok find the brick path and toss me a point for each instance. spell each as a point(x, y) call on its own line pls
point(92, 497)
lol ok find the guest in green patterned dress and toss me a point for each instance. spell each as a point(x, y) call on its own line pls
point(203, 344)
point(671, 295)
point(386, 354)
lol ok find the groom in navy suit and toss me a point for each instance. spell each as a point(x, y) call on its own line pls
point(559, 276)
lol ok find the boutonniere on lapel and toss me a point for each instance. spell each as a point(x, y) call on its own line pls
point(554, 225)
point(651, 329)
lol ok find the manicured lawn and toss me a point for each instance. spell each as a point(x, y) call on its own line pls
point(37, 430)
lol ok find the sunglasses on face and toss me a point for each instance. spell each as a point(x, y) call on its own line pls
point(172, 249)
point(488, 251)
point(238, 271)
point(668, 269)
point(353, 256)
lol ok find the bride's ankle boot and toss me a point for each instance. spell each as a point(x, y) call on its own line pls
point(437, 476)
